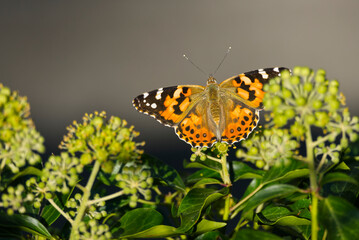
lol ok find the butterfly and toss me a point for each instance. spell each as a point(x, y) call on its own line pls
point(226, 112)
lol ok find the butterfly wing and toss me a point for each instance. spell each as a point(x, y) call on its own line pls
point(182, 107)
point(240, 120)
point(197, 128)
point(248, 87)
point(169, 105)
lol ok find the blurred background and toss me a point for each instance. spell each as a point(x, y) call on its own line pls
point(73, 57)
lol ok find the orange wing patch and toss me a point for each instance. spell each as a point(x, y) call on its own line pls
point(194, 130)
point(240, 122)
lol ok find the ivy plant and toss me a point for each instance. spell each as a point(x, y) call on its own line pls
point(295, 177)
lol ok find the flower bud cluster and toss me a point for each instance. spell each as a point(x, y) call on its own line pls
point(267, 147)
point(61, 173)
point(135, 180)
point(306, 96)
point(94, 211)
point(93, 230)
point(20, 143)
point(217, 150)
point(101, 140)
point(15, 198)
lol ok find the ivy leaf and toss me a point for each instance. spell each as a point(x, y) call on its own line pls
point(338, 177)
point(214, 235)
point(284, 172)
point(340, 218)
point(271, 213)
point(193, 204)
point(208, 226)
point(205, 181)
point(24, 223)
point(243, 171)
point(254, 234)
point(165, 173)
point(203, 173)
point(266, 194)
point(142, 223)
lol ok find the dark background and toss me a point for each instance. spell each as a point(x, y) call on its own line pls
point(73, 57)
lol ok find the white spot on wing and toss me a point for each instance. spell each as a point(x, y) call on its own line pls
point(263, 73)
point(147, 104)
point(145, 95)
point(158, 94)
point(153, 105)
point(276, 69)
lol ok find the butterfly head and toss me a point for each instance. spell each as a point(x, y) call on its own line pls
point(211, 80)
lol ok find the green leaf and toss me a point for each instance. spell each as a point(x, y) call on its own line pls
point(165, 173)
point(141, 223)
point(49, 213)
point(207, 164)
point(207, 226)
point(214, 235)
point(193, 204)
point(291, 221)
point(273, 213)
point(340, 218)
point(28, 171)
point(205, 181)
point(24, 223)
point(203, 173)
point(244, 234)
point(338, 177)
point(243, 171)
point(284, 172)
point(266, 194)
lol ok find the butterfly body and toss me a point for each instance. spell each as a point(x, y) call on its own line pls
point(201, 116)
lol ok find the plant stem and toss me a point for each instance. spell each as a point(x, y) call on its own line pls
point(245, 199)
point(60, 211)
point(85, 198)
point(227, 182)
point(226, 178)
point(313, 182)
point(108, 197)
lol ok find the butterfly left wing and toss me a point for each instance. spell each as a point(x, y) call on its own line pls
point(248, 87)
point(169, 105)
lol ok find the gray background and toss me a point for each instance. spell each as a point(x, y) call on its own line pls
point(72, 57)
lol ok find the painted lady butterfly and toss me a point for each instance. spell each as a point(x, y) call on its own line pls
point(201, 116)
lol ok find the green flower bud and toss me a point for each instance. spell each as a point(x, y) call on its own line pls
point(322, 89)
point(101, 155)
point(276, 101)
point(308, 86)
point(333, 90)
point(97, 122)
point(297, 70)
point(317, 104)
point(274, 88)
point(253, 151)
point(289, 113)
point(319, 78)
point(149, 181)
point(301, 101)
point(295, 80)
point(334, 105)
point(305, 71)
point(286, 93)
point(260, 164)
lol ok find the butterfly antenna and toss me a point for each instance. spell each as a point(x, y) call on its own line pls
point(200, 69)
point(225, 56)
